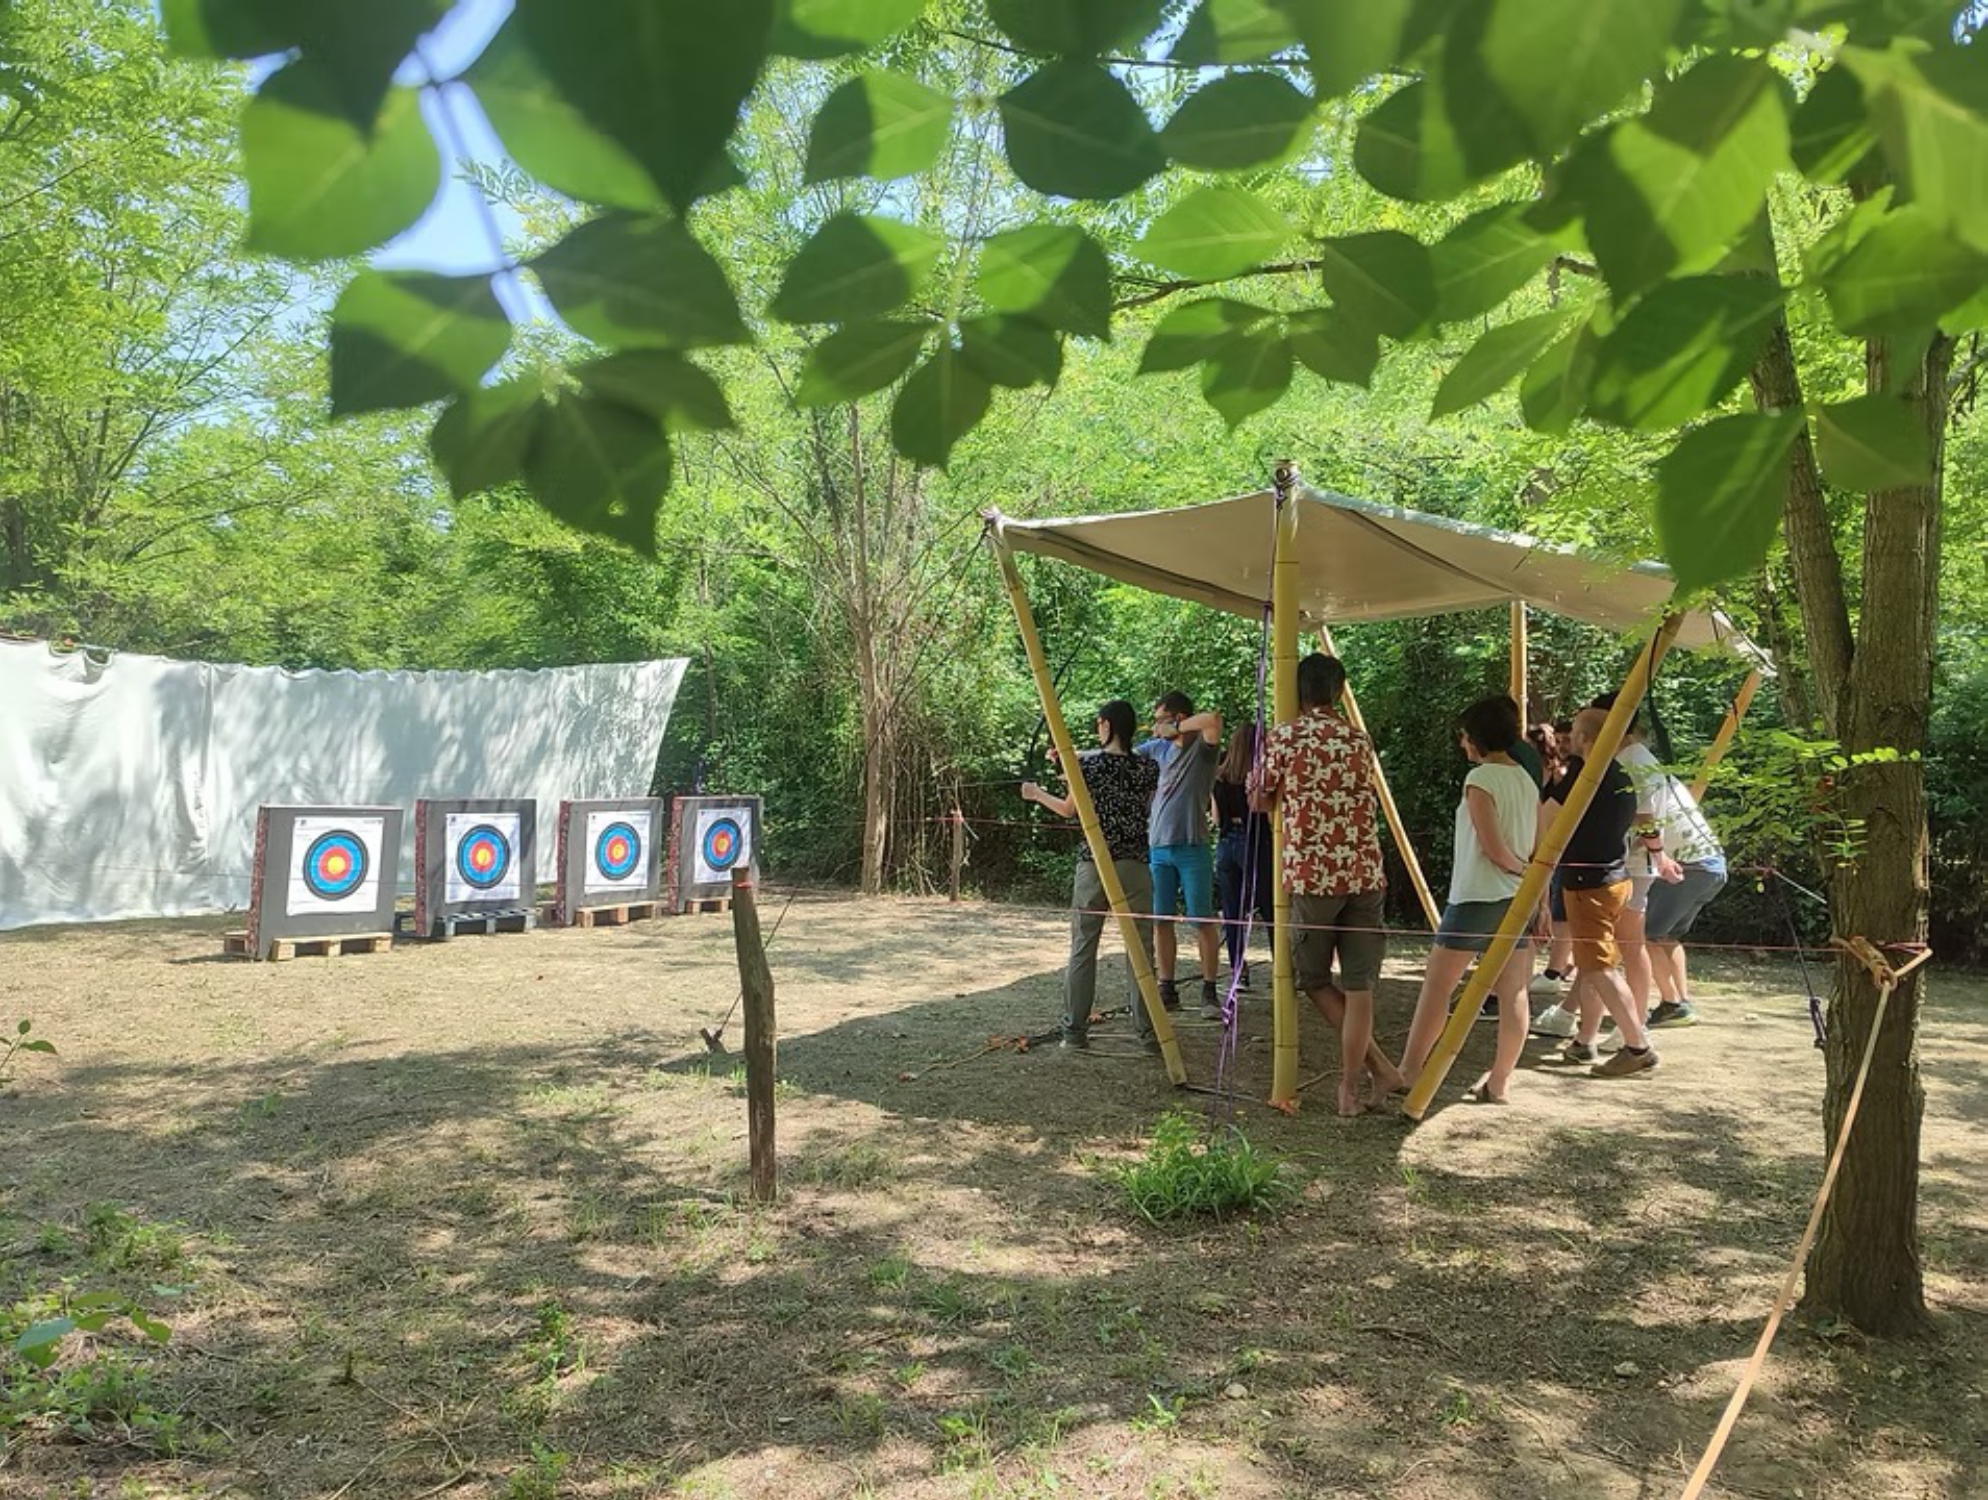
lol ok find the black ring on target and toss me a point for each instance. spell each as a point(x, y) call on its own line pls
point(483, 856)
point(334, 865)
point(723, 841)
point(617, 851)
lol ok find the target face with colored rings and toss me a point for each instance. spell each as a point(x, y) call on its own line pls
point(483, 857)
point(334, 865)
point(722, 843)
point(617, 851)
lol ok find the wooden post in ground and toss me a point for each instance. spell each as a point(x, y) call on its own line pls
point(1723, 740)
point(1518, 917)
point(1519, 674)
point(1087, 813)
point(1284, 706)
point(761, 1057)
point(1389, 808)
point(959, 850)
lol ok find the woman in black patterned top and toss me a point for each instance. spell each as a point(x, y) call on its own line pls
point(1121, 785)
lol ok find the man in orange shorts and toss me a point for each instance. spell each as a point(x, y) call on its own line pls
point(1595, 885)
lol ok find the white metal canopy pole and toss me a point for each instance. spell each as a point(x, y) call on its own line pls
point(1284, 705)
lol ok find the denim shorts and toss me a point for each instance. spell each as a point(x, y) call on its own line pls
point(1183, 872)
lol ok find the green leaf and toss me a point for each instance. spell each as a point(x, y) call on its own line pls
point(1720, 493)
point(1215, 232)
point(944, 399)
point(1496, 360)
point(1333, 346)
point(878, 125)
point(1075, 131)
point(1233, 31)
point(38, 1045)
point(1680, 350)
point(1408, 149)
point(662, 383)
point(1873, 444)
point(1239, 121)
point(1196, 331)
point(481, 438)
point(1075, 30)
point(1012, 351)
point(356, 44)
point(1055, 274)
point(601, 467)
point(1247, 374)
point(1346, 43)
point(855, 266)
point(405, 338)
point(854, 361)
point(38, 1341)
point(1931, 113)
point(151, 1327)
point(320, 187)
point(664, 79)
point(1384, 279)
point(1670, 192)
point(830, 28)
point(1901, 276)
point(1831, 131)
point(1555, 389)
point(624, 279)
point(1486, 258)
point(24, 1027)
point(548, 136)
point(1563, 63)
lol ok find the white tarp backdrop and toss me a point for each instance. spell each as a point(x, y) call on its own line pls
point(129, 788)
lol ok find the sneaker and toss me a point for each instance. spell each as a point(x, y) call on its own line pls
point(1211, 1002)
point(1673, 1013)
point(1150, 1045)
point(1578, 1051)
point(1626, 1064)
point(1554, 1021)
point(1071, 1043)
point(1243, 983)
point(1489, 1010)
point(1610, 1040)
point(1169, 994)
point(1550, 982)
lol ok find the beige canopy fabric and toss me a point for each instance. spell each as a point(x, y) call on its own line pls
point(1361, 561)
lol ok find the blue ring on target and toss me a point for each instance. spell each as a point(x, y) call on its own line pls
point(483, 856)
point(723, 841)
point(334, 865)
point(617, 851)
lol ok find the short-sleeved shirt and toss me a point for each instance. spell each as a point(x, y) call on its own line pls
point(1180, 807)
point(1688, 837)
point(1515, 809)
point(1321, 769)
point(1121, 788)
point(1594, 855)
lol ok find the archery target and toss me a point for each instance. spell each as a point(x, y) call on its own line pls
point(722, 843)
point(617, 846)
point(335, 865)
point(482, 860)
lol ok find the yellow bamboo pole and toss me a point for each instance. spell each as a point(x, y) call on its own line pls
point(1723, 740)
point(1519, 674)
point(1389, 808)
point(1087, 815)
point(1519, 917)
point(1284, 706)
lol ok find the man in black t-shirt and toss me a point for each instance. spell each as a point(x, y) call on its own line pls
point(1595, 885)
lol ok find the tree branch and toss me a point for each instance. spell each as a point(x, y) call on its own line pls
point(1295, 63)
point(1164, 289)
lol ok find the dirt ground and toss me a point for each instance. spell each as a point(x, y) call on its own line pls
point(469, 1219)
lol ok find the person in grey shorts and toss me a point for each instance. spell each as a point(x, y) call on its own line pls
point(1673, 908)
point(1121, 785)
point(1319, 770)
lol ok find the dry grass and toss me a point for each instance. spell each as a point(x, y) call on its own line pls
point(466, 1219)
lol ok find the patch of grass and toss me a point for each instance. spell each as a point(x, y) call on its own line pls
point(1188, 1173)
point(949, 1302)
point(95, 1394)
point(119, 1240)
point(850, 1168)
point(969, 1439)
point(860, 1418)
point(908, 1375)
point(539, 1480)
point(1162, 1413)
point(1013, 1361)
point(890, 1273)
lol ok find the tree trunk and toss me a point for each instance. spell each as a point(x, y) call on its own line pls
point(1865, 1267)
point(879, 790)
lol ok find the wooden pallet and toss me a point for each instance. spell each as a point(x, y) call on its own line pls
point(236, 945)
point(618, 916)
point(483, 923)
point(715, 903)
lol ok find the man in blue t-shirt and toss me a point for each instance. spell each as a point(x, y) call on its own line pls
point(1177, 833)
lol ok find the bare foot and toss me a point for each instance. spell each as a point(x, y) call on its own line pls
point(1349, 1104)
point(1480, 1092)
point(1380, 1086)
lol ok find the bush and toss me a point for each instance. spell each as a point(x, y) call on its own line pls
point(1188, 1172)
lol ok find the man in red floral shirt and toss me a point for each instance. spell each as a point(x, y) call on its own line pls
point(1320, 771)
